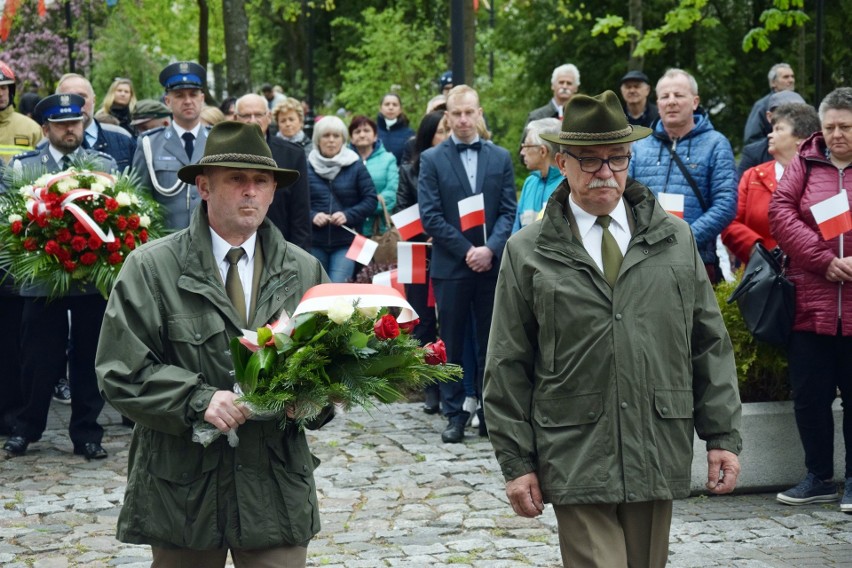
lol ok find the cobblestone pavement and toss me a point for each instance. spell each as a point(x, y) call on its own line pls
point(391, 495)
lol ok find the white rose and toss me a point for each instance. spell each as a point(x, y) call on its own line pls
point(123, 199)
point(13, 218)
point(97, 188)
point(104, 181)
point(144, 221)
point(340, 311)
point(66, 185)
point(134, 200)
point(25, 190)
point(43, 180)
point(369, 312)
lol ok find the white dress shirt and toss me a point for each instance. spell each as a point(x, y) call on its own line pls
point(245, 266)
point(591, 233)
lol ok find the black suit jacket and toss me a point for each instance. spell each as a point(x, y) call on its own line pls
point(753, 154)
point(117, 145)
point(291, 207)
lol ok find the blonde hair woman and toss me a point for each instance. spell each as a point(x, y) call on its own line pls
point(289, 116)
point(120, 101)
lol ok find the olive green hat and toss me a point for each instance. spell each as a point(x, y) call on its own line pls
point(595, 120)
point(237, 145)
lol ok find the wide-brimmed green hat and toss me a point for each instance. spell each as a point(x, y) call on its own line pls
point(237, 145)
point(595, 120)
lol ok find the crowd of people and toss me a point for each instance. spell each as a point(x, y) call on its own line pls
point(582, 309)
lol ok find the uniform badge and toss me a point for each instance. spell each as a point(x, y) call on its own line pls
point(64, 100)
point(184, 67)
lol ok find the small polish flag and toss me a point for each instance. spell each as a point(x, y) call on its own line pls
point(362, 249)
point(411, 262)
point(472, 211)
point(671, 203)
point(832, 216)
point(389, 278)
point(407, 222)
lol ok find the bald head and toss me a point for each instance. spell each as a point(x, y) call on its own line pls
point(253, 108)
point(78, 85)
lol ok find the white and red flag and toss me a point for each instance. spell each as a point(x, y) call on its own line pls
point(671, 203)
point(389, 278)
point(411, 262)
point(833, 216)
point(362, 249)
point(472, 211)
point(407, 222)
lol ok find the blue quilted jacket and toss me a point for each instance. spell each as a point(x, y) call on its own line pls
point(708, 157)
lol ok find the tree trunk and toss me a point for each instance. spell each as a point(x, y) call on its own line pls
point(236, 47)
point(204, 43)
point(635, 16)
point(469, 45)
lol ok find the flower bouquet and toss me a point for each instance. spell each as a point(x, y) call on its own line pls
point(73, 227)
point(341, 347)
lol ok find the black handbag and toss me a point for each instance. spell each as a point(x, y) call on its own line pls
point(766, 298)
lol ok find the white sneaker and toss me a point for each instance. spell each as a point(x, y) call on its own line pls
point(469, 406)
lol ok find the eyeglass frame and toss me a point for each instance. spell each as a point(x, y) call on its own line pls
point(251, 115)
point(602, 161)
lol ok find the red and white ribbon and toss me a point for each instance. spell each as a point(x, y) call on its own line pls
point(320, 298)
point(36, 205)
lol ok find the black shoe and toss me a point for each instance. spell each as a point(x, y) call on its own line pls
point(454, 432)
point(91, 451)
point(16, 445)
point(483, 430)
point(62, 391)
point(433, 401)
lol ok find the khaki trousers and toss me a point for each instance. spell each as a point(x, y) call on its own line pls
point(281, 557)
point(623, 535)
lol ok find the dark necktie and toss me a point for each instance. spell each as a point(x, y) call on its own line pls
point(66, 161)
point(476, 146)
point(233, 285)
point(188, 143)
point(610, 252)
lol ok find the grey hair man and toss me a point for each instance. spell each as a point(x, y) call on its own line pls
point(781, 78)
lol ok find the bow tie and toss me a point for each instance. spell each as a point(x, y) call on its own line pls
point(476, 146)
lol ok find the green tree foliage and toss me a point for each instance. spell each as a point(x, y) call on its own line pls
point(391, 56)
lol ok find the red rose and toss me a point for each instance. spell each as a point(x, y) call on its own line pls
point(30, 244)
point(111, 204)
point(69, 265)
point(51, 247)
point(63, 254)
point(408, 327)
point(386, 327)
point(121, 223)
point(143, 236)
point(94, 243)
point(133, 222)
point(63, 235)
point(129, 241)
point(88, 258)
point(17, 227)
point(436, 353)
point(115, 258)
point(114, 245)
point(78, 243)
point(99, 215)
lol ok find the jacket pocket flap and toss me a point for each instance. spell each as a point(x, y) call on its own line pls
point(569, 410)
point(294, 456)
point(673, 403)
point(181, 465)
point(194, 329)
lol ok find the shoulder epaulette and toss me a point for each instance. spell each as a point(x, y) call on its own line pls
point(152, 131)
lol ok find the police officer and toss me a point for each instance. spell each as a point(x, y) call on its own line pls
point(18, 133)
point(45, 324)
point(163, 151)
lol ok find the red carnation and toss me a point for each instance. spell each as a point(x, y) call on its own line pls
point(99, 215)
point(79, 229)
point(17, 227)
point(95, 243)
point(143, 236)
point(114, 245)
point(436, 353)
point(41, 221)
point(88, 258)
point(409, 326)
point(63, 254)
point(133, 222)
point(30, 244)
point(78, 243)
point(121, 223)
point(115, 258)
point(386, 327)
point(69, 265)
point(56, 213)
point(63, 235)
point(51, 247)
point(111, 204)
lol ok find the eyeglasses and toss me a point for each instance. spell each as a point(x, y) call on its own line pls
point(594, 165)
point(523, 146)
point(252, 116)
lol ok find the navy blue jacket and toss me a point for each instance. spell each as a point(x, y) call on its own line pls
point(117, 145)
point(394, 138)
point(351, 192)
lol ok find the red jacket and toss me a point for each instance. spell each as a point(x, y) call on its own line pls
point(819, 302)
point(752, 221)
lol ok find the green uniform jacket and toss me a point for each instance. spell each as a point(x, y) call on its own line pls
point(597, 390)
point(163, 353)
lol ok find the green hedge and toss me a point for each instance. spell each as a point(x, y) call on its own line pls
point(761, 368)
